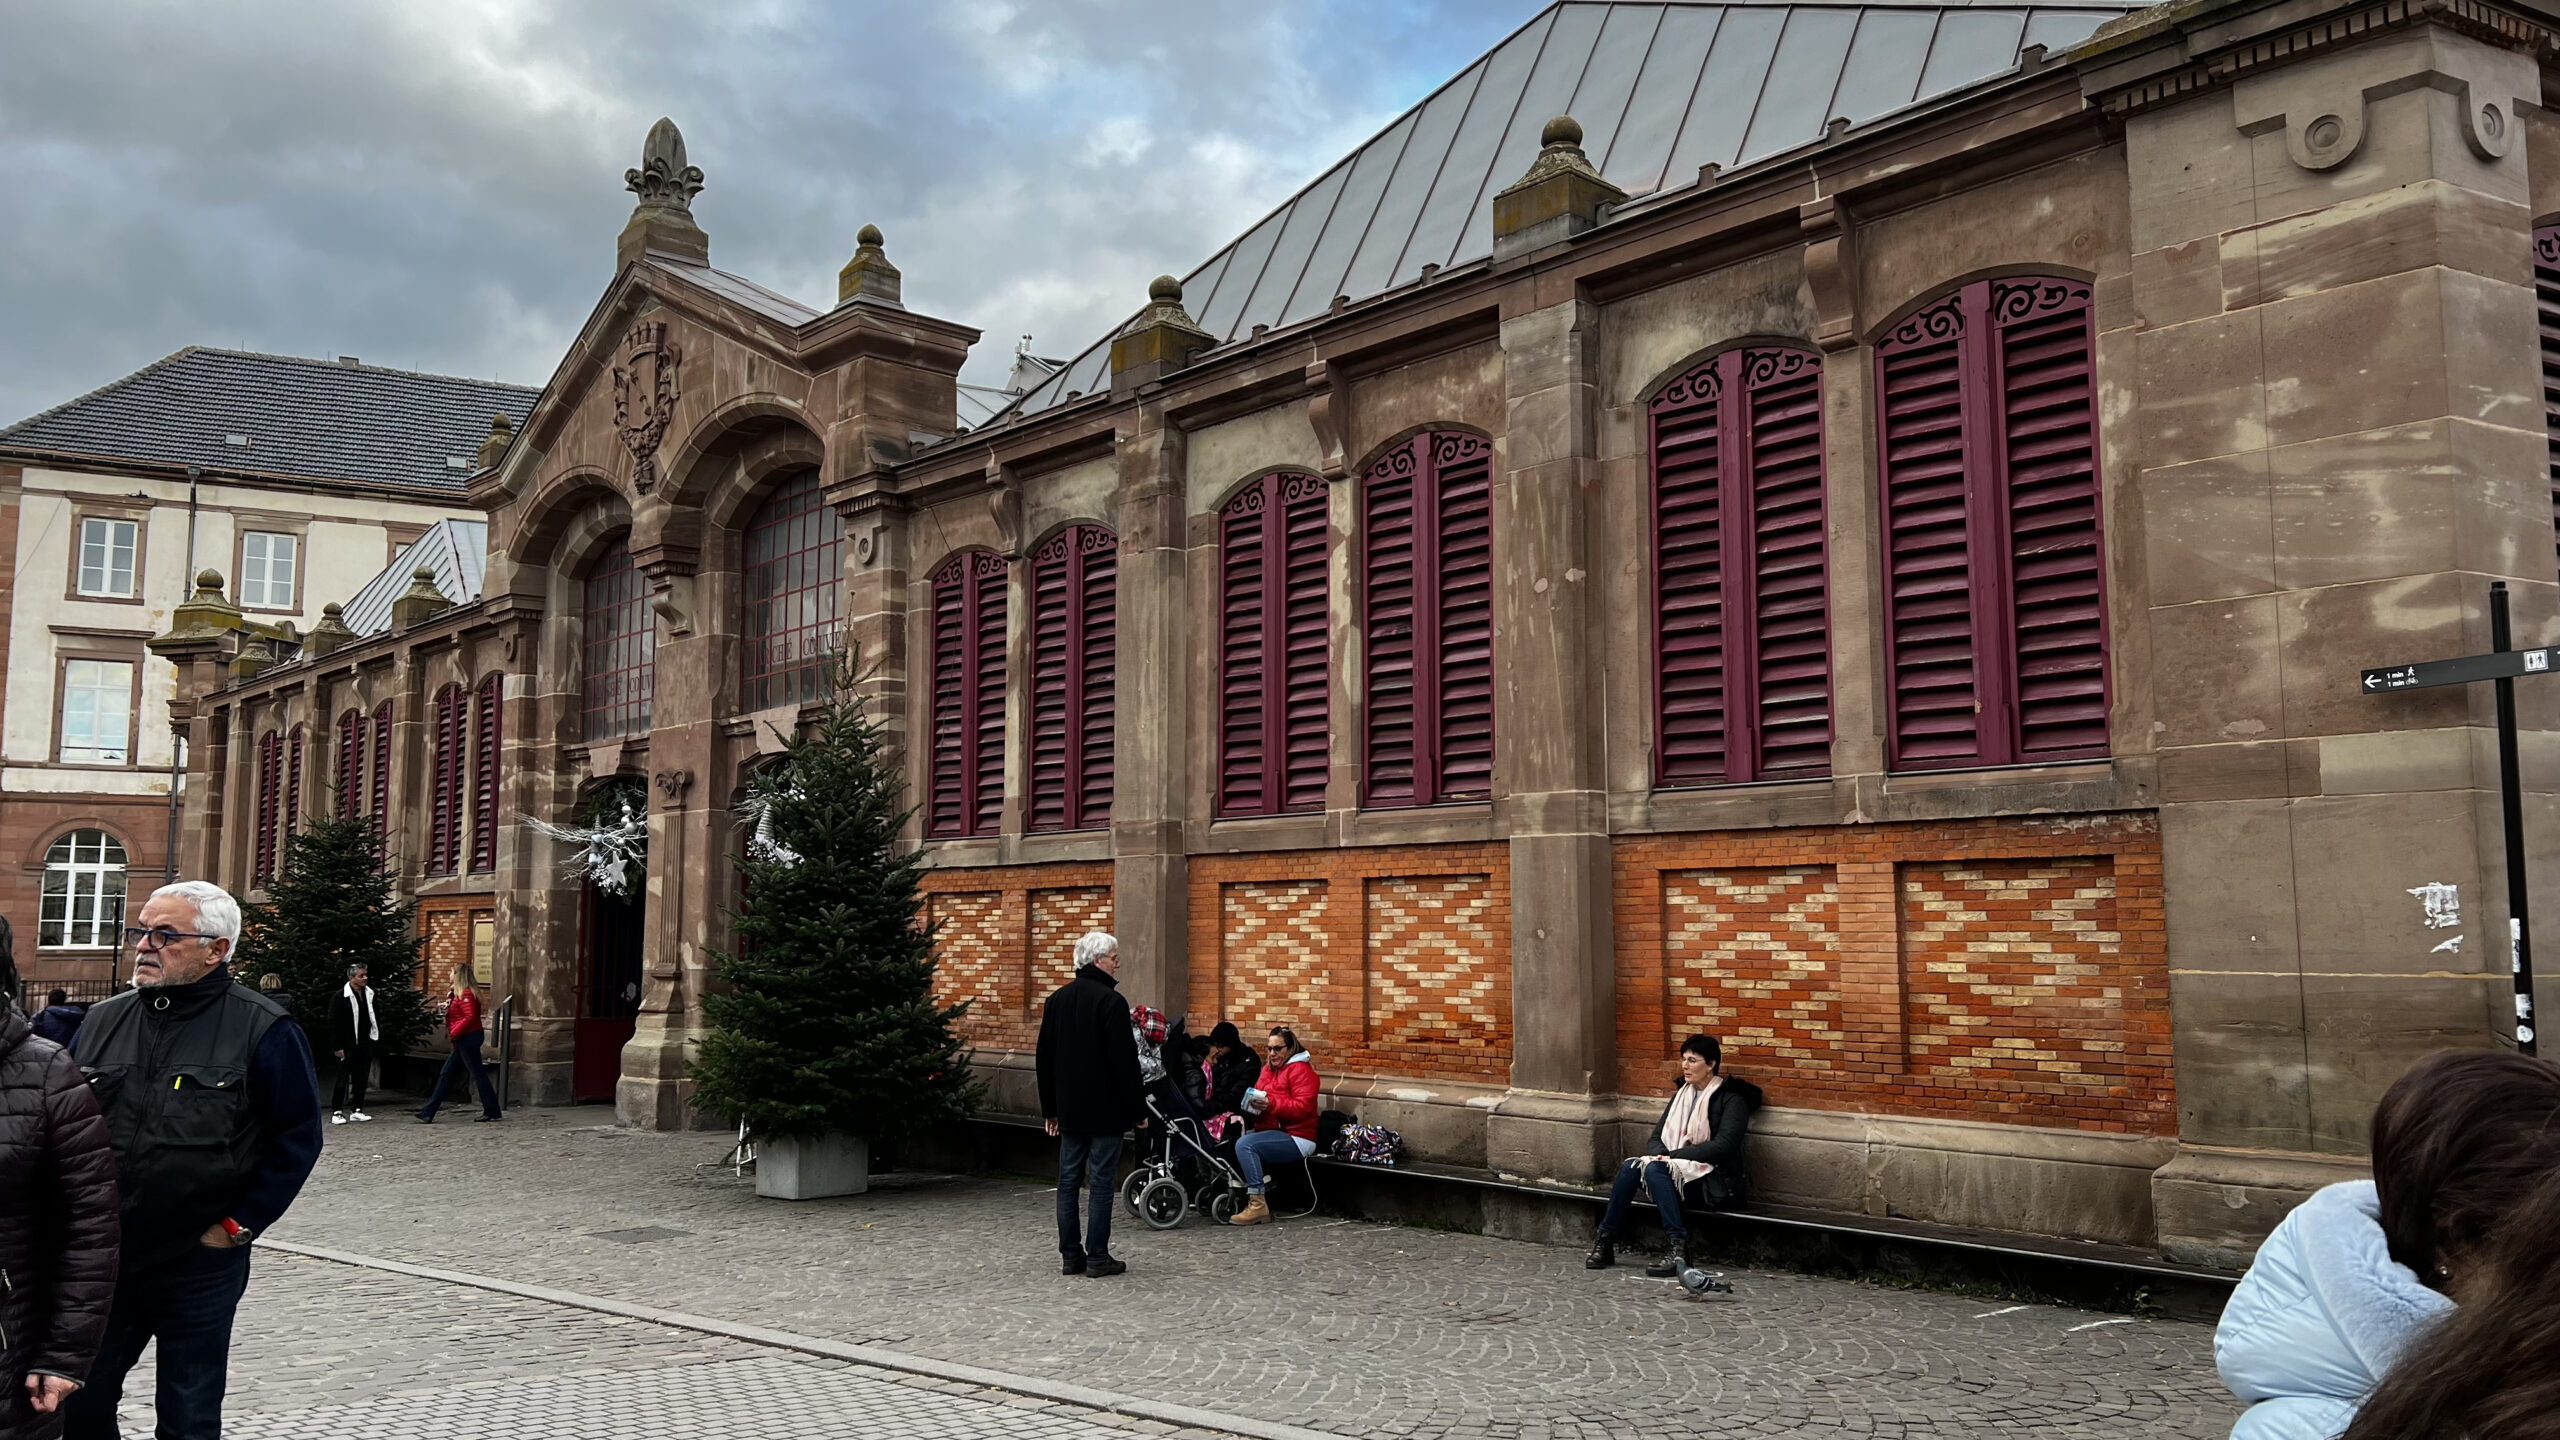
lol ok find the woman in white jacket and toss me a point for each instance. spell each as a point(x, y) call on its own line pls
point(2363, 1270)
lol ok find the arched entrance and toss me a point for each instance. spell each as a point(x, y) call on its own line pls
point(609, 931)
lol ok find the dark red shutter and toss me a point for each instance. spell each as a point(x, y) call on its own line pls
point(1389, 621)
point(350, 764)
point(968, 696)
point(292, 790)
point(1427, 611)
point(487, 735)
point(1073, 584)
point(1994, 581)
point(1742, 676)
point(382, 773)
point(270, 771)
point(444, 817)
point(1274, 706)
point(2546, 300)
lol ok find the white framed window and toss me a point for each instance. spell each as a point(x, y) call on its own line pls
point(97, 712)
point(83, 903)
point(266, 570)
point(106, 557)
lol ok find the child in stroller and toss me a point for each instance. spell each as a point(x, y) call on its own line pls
point(1179, 1169)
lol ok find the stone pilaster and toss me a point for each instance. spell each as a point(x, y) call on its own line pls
point(2340, 443)
point(1150, 876)
point(1548, 730)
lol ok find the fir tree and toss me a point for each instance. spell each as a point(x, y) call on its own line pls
point(827, 1022)
point(332, 908)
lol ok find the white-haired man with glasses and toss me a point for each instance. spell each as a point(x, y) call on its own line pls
point(214, 1110)
point(1087, 1067)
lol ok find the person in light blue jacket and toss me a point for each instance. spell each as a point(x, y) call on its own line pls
point(2362, 1271)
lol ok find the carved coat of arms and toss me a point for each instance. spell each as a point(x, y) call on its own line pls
point(644, 398)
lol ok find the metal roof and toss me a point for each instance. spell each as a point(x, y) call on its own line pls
point(456, 550)
point(1660, 89)
point(772, 304)
point(235, 412)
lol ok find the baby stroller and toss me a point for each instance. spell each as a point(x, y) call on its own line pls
point(1156, 1191)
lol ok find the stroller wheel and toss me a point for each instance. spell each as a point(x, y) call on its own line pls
point(1161, 1202)
point(1129, 1189)
point(1224, 1205)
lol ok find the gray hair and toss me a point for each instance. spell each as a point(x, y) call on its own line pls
point(1094, 946)
point(217, 914)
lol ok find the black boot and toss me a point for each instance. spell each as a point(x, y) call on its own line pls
point(1668, 1267)
point(1604, 1253)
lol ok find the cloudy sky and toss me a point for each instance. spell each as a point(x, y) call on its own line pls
point(437, 185)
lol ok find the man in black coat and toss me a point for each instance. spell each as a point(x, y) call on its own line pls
point(353, 1033)
point(1693, 1154)
point(1088, 1068)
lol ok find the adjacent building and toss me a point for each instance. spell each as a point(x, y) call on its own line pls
point(298, 479)
point(1853, 527)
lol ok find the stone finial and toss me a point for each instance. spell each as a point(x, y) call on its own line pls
point(502, 433)
point(207, 614)
point(1161, 340)
point(1559, 197)
point(868, 275)
point(421, 602)
point(662, 223)
point(331, 634)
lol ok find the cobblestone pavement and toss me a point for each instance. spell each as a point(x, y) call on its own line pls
point(1349, 1327)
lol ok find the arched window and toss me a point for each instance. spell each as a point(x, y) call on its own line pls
point(83, 902)
point(968, 696)
point(381, 771)
point(621, 647)
point(292, 790)
point(1995, 603)
point(1074, 583)
point(270, 782)
point(350, 764)
point(444, 771)
point(1741, 618)
point(1426, 593)
point(794, 576)
point(1273, 707)
point(488, 732)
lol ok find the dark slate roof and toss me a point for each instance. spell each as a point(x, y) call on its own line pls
point(1660, 89)
point(305, 419)
point(456, 550)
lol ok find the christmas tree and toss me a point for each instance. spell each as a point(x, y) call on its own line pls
point(332, 908)
point(826, 1021)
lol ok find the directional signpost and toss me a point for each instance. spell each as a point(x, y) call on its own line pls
point(2500, 666)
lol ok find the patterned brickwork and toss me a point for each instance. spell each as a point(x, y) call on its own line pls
point(1433, 962)
point(1277, 959)
point(2010, 970)
point(1753, 959)
point(1402, 955)
point(1008, 939)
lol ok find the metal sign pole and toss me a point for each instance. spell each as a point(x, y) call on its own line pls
point(2511, 808)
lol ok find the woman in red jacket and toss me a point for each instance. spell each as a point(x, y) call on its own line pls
point(462, 1027)
point(1283, 1107)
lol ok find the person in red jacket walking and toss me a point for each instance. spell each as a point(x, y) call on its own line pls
point(462, 1027)
point(1282, 1105)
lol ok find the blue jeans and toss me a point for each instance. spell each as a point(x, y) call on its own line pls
point(1261, 1149)
point(466, 1054)
point(1656, 1180)
point(186, 1306)
point(1090, 1163)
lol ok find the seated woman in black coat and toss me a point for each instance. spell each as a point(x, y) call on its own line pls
point(1694, 1154)
point(1214, 1077)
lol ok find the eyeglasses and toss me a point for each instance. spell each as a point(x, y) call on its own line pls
point(160, 937)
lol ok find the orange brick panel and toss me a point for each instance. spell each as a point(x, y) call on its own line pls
point(1438, 973)
point(1059, 918)
point(1007, 939)
point(1753, 960)
point(1276, 953)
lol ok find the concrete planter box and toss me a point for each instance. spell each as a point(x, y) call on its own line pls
point(813, 1169)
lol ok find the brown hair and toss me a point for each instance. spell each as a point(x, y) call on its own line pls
point(2457, 1143)
point(2490, 1371)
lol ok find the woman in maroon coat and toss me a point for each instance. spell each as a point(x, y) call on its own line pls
point(58, 1226)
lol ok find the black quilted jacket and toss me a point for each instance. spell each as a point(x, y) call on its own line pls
point(57, 1221)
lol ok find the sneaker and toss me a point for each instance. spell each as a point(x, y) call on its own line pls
point(1071, 1265)
point(1102, 1267)
point(359, 1115)
point(485, 1119)
point(425, 1119)
point(339, 1118)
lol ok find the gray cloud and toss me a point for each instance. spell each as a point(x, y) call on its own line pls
point(438, 186)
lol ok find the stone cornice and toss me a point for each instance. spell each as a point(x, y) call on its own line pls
point(2164, 55)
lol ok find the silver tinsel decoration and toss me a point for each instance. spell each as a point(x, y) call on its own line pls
point(613, 852)
point(756, 814)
